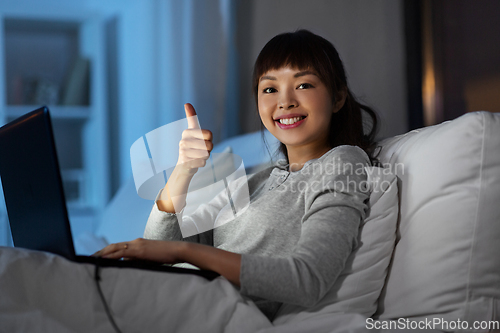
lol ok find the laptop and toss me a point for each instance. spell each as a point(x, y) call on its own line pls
point(34, 194)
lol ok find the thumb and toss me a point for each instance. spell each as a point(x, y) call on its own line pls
point(190, 115)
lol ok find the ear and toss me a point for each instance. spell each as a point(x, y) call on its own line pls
point(340, 100)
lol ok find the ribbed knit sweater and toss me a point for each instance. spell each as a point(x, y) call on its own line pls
point(295, 235)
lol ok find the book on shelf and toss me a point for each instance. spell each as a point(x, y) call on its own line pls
point(76, 89)
point(33, 90)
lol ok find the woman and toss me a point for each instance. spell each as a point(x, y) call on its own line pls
point(292, 242)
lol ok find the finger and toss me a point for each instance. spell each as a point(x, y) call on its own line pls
point(202, 134)
point(193, 161)
point(111, 249)
point(118, 250)
point(102, 251)
point(117, 255)
point(205, 145)
point(191, 116)
point(196, 154)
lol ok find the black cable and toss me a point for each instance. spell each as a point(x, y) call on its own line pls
point(97, 278)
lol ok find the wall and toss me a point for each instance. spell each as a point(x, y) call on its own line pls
point(368, 35)
point(466, 57)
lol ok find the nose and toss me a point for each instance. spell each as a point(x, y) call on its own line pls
point(287, 101)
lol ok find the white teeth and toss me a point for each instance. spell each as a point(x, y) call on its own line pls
point(289, 121)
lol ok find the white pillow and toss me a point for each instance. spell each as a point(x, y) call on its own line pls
point(358, 287)
point(446, 263)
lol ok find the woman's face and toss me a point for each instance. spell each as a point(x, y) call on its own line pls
point(296, 107)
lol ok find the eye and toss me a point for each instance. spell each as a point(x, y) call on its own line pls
point(269, 90)
point(305, 86)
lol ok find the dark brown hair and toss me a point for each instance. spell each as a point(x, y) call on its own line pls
point(304, 50)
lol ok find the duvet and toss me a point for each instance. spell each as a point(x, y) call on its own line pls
point(42, 292)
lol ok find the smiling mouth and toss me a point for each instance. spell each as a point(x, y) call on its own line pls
point(290, 121)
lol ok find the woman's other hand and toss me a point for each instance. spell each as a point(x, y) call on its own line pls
point(227, 264)
point(166, 252)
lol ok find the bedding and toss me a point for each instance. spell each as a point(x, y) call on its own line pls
point(42, 292)
point(449, 221)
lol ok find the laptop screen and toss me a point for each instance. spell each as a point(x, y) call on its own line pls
point(32, 185)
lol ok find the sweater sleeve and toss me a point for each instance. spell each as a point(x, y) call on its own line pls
point(198, 225)
point(334, 211)
point(162, 225)
point(165, 226)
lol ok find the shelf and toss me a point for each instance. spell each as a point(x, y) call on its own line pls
point(58, 60)
point(56, 111)
point(44, 64)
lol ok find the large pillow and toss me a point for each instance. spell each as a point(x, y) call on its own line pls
point(447, 260)
point(358, 288)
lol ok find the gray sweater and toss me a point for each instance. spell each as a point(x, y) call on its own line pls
point(297, 232)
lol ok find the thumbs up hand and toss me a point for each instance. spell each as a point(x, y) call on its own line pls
point(195, 145)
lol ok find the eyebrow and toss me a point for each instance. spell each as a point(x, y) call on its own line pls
point(303, 73)
point(299, 74)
